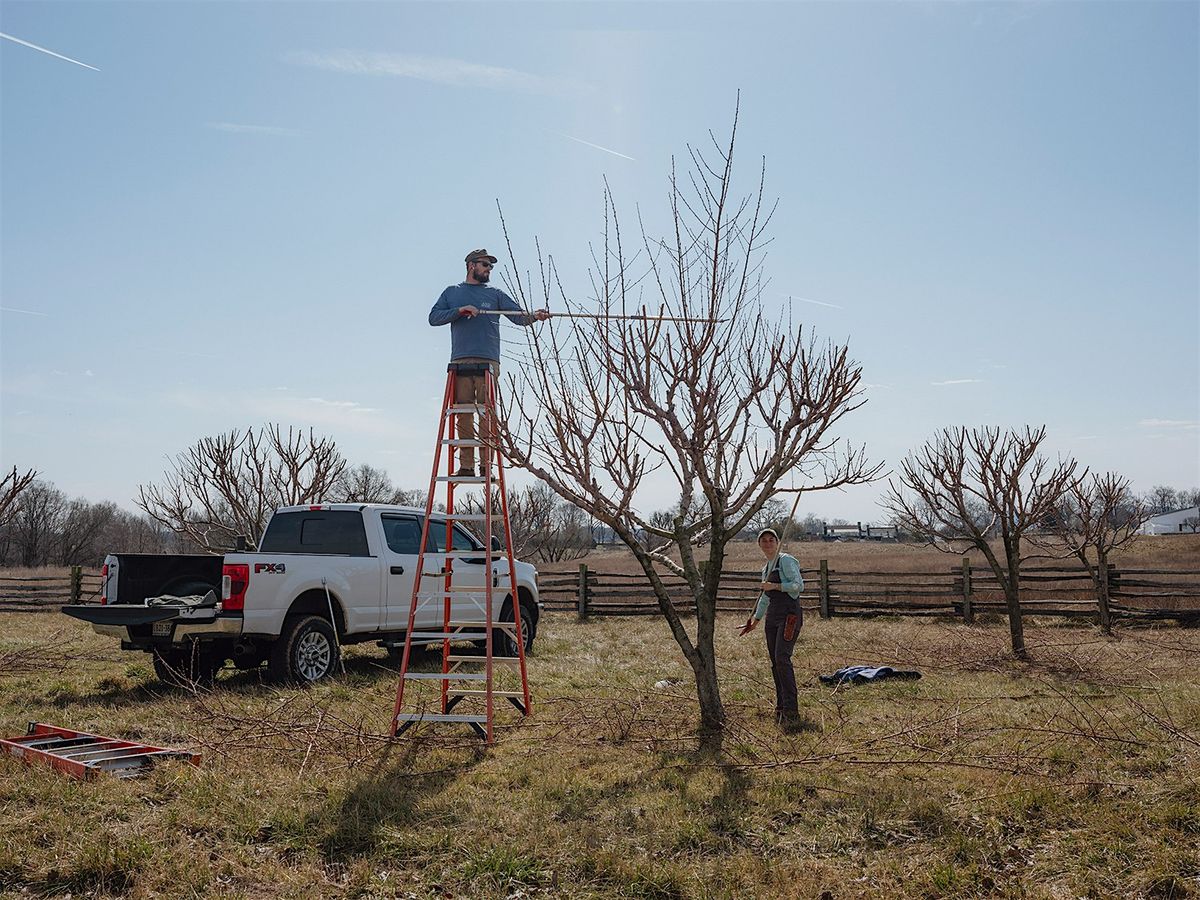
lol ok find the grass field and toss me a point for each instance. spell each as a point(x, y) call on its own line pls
point(1074, 775)
point(1174, 551)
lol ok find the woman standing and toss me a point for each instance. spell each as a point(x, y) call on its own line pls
point(780, 603)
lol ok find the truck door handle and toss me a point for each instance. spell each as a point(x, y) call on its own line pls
point(397, 570)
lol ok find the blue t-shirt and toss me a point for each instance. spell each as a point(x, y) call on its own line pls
point(477, 337)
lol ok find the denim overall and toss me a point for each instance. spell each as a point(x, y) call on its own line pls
point(782, 605)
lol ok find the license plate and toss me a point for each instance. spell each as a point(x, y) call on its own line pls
point(162, 629)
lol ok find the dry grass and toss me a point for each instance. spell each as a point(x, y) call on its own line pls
point(1178, 552)
point(1074, 775)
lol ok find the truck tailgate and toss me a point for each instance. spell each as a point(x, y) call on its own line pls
point(121, 613)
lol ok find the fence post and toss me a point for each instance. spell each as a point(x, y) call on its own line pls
point(968, 612)
point(76, 583)
point(583, 591)
point(824, 608)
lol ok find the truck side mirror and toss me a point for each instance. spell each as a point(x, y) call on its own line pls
point(241, 543)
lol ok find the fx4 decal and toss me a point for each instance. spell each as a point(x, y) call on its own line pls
point(271, 568)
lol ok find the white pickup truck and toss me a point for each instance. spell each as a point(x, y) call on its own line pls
point(323, 576)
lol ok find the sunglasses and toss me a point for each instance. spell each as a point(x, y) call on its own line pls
point(486, 265)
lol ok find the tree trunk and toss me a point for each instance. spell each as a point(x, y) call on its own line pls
point(1012, 598)
point(708, 691)
point(1101, 577)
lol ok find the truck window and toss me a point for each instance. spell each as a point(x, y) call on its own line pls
point(460, 541)
point(403, 534)
point(333, 532)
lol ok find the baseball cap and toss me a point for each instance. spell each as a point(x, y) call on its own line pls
point(476, 255)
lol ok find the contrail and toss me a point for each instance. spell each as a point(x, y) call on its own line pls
point(596, 146)
point(27, 312)
point(44, 50)
point(817, 302)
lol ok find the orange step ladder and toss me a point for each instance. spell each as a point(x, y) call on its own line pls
point(85, 755)
point(458, 667)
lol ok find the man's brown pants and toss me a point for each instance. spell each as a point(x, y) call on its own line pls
point(471, 387)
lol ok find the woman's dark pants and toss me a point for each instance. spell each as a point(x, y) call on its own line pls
point(780, 652)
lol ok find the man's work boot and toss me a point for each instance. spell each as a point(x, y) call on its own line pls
point(465, 472)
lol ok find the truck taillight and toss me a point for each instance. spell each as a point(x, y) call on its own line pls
point(104, 585)
point(235, 578)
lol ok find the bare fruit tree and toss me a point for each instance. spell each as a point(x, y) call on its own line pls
point(725, 403)
point(229, 485)
point(11, 487)
point(967, 486)
point(1096, 516)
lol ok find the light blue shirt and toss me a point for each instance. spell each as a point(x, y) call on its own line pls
point(790, 581)
point(478, 337)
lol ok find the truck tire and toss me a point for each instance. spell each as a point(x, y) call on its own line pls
point(502, 642)
point(307, 651)
point(187, 666)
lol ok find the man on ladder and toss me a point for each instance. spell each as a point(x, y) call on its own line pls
point(470, 310)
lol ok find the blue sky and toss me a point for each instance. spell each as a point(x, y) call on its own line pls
point(246, 213)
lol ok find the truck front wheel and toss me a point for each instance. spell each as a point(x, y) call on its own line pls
point(307, 651)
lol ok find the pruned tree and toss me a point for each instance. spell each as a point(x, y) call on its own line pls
point(11, 486)
point(964, 485)
point(725, 400)
point(1094, 517)
point(228, 485)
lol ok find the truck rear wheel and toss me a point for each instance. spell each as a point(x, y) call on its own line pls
point(192, 664)
point(307, 651)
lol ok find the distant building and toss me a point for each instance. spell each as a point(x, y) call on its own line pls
point(857, 532)
point(1180, 521)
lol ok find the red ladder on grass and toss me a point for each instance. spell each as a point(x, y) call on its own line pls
point(85, 755)
point(455, 665)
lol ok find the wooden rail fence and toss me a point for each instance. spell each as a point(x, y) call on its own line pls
point(962, 592)
point(41, 593)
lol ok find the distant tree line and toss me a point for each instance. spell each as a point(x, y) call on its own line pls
point(41, 526)
point(228, 485)
point(1164, 499)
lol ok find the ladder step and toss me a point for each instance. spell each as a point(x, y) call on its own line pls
point(461, 442)
point(449, 676)
point(463, 408)
point(455, 693)
point(448, 636)
point(497, 555)
point(503, 626)
point(440, 717)
point(462, 479)
point(453, 592)
point(470, 517)
point(462, 658)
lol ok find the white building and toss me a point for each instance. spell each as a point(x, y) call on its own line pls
point(1181, 521)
